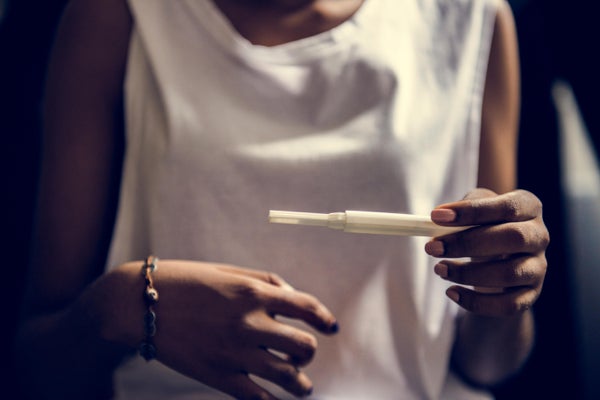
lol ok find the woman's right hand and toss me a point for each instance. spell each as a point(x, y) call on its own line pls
point(216, 323)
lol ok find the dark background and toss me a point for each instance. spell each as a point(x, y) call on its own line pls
point(557, 41)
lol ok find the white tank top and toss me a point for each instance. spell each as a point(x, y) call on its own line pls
point(381, 113)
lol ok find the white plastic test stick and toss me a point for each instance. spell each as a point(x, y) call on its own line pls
point(367, 222)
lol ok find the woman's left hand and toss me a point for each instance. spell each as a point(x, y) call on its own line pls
point(506, 248)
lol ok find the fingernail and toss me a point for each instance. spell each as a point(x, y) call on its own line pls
point(441, 270)
point(435, 248)
point(443, 215)
point(334, 328)
point(454, 295)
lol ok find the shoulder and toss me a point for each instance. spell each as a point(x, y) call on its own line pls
point(111, 17)
point(92, 39)
point(505, 21)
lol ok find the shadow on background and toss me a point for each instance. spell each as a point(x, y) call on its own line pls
point(26, 33)
point(556, 42)
point(581, 183)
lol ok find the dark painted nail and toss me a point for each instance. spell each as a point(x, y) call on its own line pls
point(334, 328)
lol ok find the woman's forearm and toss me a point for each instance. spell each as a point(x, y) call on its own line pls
point(488, 350)
point(70, 354)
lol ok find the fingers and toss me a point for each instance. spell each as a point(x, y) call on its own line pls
point(492, 240)
point(293, 347)
point(501, 273)
point(302, 306)
point(519, 279)
point(284, 299)
point(269, 366)
point(507, 246)
point(261, 329)
point(519, 205)
point(510, 302)
point(506, 224)
point(300, 346)
point(241, 387)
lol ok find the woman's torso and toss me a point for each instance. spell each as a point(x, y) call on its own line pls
point(380, 113)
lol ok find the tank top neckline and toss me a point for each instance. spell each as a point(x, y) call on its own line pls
point(306, 49)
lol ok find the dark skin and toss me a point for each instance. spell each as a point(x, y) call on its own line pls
point(80, 322)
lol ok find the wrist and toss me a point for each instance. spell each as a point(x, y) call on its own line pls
point(122, 306)
point(490, 349)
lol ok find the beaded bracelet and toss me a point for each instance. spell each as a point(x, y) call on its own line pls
point(147, 348)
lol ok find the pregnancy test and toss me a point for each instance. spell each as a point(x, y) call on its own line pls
point(381, 223)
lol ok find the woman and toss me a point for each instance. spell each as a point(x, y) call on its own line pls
point(233, 108)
